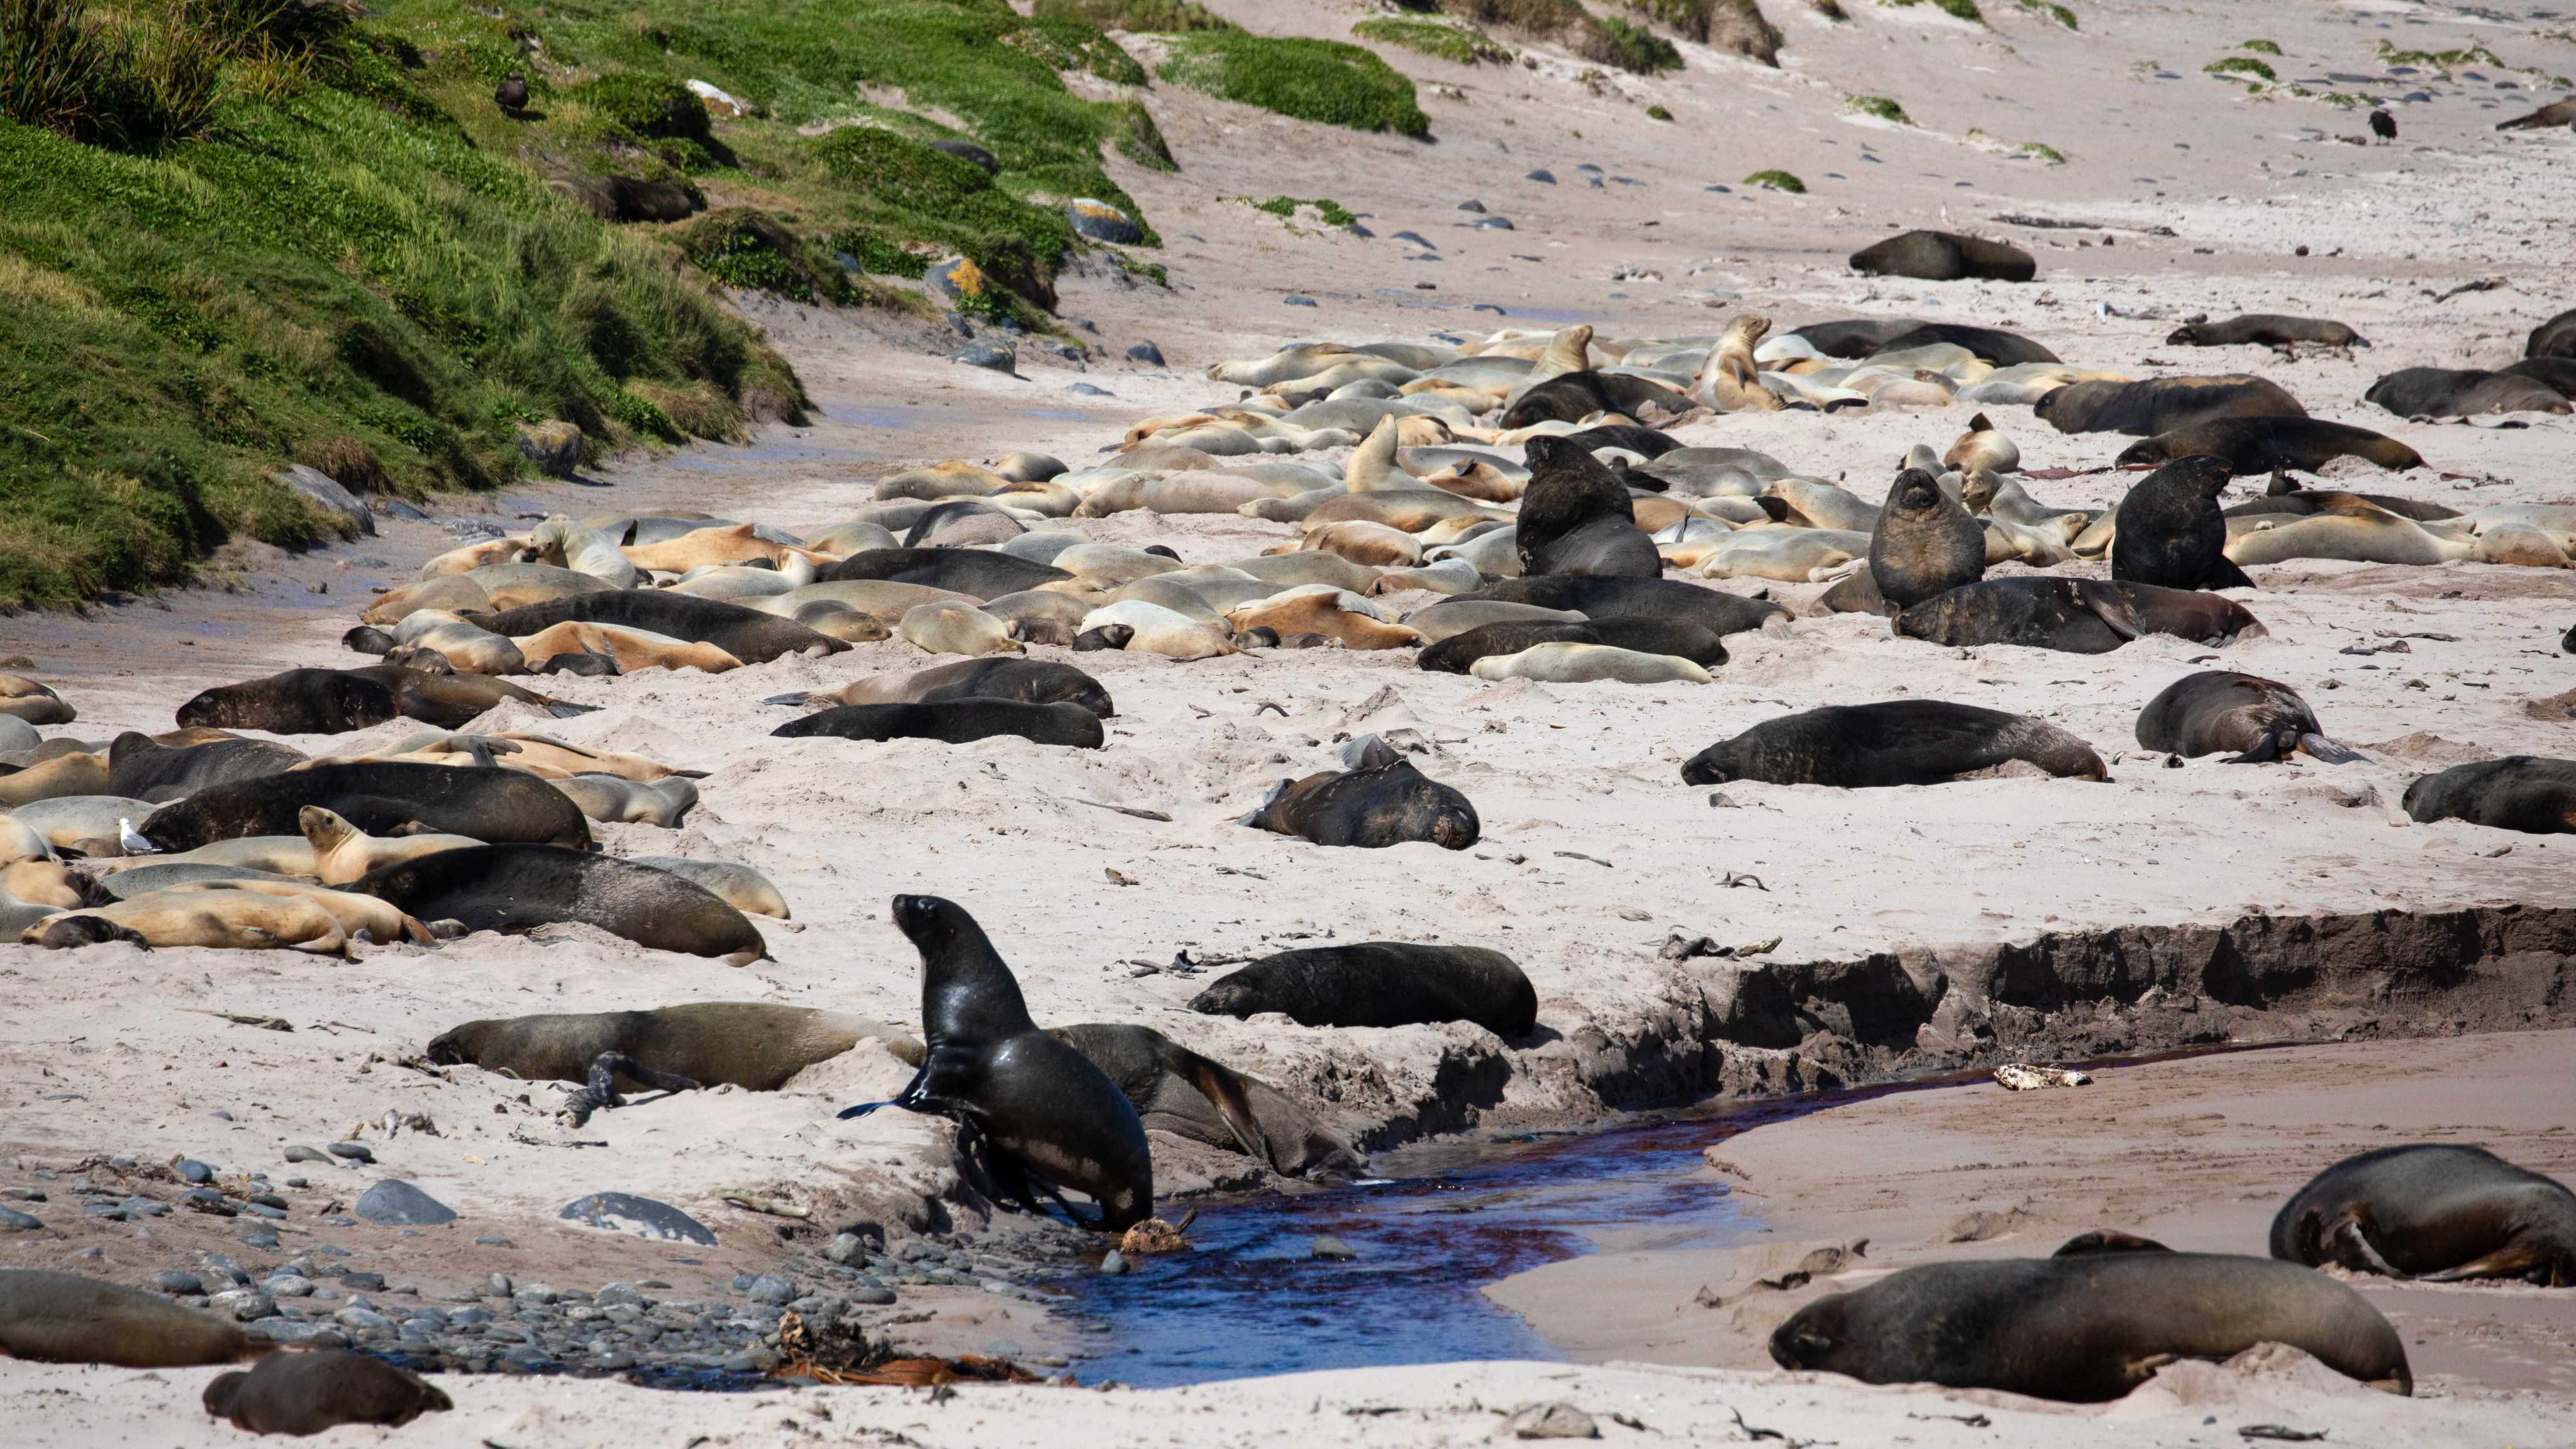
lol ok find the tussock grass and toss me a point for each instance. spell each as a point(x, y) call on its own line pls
point(1312, 80)
point(1442, 39)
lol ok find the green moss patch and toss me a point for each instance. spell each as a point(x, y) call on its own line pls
point(1461, 44)
point(1776, 181)
point(1312, 80)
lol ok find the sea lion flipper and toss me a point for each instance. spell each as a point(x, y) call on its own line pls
point(2513, 1260)
point(861, 1110)
point(2266, 750)
point(2112, 606)
point(2224, 574)
point(1225, 1089)
point(2318, 747)
point(566, 709)
point(2351, 1246)
point(909, 1098)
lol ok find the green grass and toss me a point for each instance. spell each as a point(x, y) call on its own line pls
point(2441, 59)
point(1658, 113)
point(2260, 47)
point(1159, 17)
point(1776, 181)
point(2241, 65)
point(2056, 12)
point(1603, 40)
point(1285, 208)
point(1312, 80)
point(1733, 25)
point(1461, 44)
point(1830, 9)
point(1635, 48)
point(1956, 9)
point(1881, 107)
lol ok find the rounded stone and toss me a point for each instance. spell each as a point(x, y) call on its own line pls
point(992, 356)
point(191, 1170)
point(1102, 222)
point(176, 1281)
point(396, 1203)
point(1146, 353)
point(353, 1151)
point(619, 1212)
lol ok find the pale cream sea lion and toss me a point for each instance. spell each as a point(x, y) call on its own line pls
point(341, 852)
point(1562, 663)
point(955, 626)
point(632, 648)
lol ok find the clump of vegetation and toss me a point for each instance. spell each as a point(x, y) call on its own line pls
point(1776, 181)
point(1881, 107)
point(2260, 47)
point(1285, 208)
point(1602, 40)
point(1730, 25)
point(1461, 44)
point(1158, 17)
point(1830, 9)
point(2053, 11)
point(1634, 48)
point(1956, 9)
point(2043, 151)
point(2441, 59)
point(1312, 80)
point(1658, 113)
point(2235, 65)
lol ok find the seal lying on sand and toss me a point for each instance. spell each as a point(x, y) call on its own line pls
point(2078, 616)
point(977, 571)
point(1175, 1090)
point(2171, 532)
point(2219, 710)
point(520, 887)
point(1715, 610)
point(1381, 983)
point(754, 1045)
point(2264, 329)
point(1941, 256)
point(1047, 1112)
point(2268, 445)
point(1899, 742)
point(307, 1393)
point(747, 634)
point(379, 797)
point(2163, 404)
point(146, 769)
point(2432, 1211)
point(1382, 801)
point(1458, 653)
point(2085, 1328)
point(64, 1318)
point(957, 721)
point(1029, 681)
point(2443, 392)
point(336, 701)
point(2518, 792)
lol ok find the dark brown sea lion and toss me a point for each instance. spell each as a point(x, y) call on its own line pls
point(1715, 610)
point(64, 1318)
point(2077, 616)
point(1899, 742)
point(1644, 442)
point(1458, 653)
point(1381, 983)
point(2265, 329)
point(2219, 710)
point(755, 1045)
point(2557, 336)
point(747, 634)
point(978, 571)
point(2518, 792)
point(2432, 1211)
point(1572, 397)
point(1042, 1107)
point(2085, 1328)
point(2288, 496)
point(2557, 373)
point(1994, 345)
point(2444, 392)
point(2171, 532)
point(1926, 544)
point(1940, 256)
point(522, 887)
point(379, 797)
point(1382, 802)
point(1576, 518)
point(1029, 681)
point(1853, 338)
point(2163, 404)
point(956, 721)
point(2269, 445)
point(336, 701)
point(141, 768)
point(1175, 1090)
point(307, 1393)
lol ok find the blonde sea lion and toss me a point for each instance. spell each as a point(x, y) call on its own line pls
point(1322, 609)
point(955, 626)
point(465, 648)
point(735, 884)
point(752, 635)
point(62, 1318)
point(35, 703)
point(476, 555)
point(456, 592)
point(206, 914)
point(22, 841)
point(536, 754)
point(952, 478)
point(881, 599)
point(1729, 380)
point(1153, 629)
point(2366, 535)
point(1983, 445)
point(609, 799)
point(66, 820)
point(633, 649)
point(1289, 362)
point(272, 854)
point(1111, 565)
point(341, 852)
point(355, 913)
point(567, 543)
point(1374, 544)
point(757, 1046)
point(308, 1393)
point(1789, 555)
point(1583, 663)
point(78, 773)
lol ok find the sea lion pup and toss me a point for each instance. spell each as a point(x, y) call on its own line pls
point(984, 573)
point(2442, 392)
point(210, 914)
point(64, 1318)
point(956, 721)
point(378, 797)
point(2269, 445)
point(2171, 532)
point(2219, 710)
point(755, 1045)
point(1941, 256)
point(1579, 662)
point(1983, 445)
point(1043, 1108)
point(1730, 381)
point(342, 852)
point(1175, 1090)
point(2529, 793)
point(514, 888)
point(1715, 610)
point(1028, 681)
point(2264, 329)
point(1381, 801)
point(2076, 616)
point(2163, 404)
point(747, 634)
point(1926, 544)
point(307, 1393)
point(1458, 653)
point(1381, 983)
point(2432, 1211)
point(2553, 338)
point(1899, 742)
point(2085, 1328)
point(139, 766)
point(35, 703)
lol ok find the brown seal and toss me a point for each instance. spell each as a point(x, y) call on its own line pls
point(1381, 801)
point(754, 1045)
point(2432, 1211)
point(306, 1393)
point(1175, 1090)
point(64, 1318)
point(2218, 710)
point(1898, 742)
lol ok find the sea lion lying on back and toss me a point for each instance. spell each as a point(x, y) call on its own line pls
point(2085, 1328)
point(379, 797)
point(2218, 710)
point(1899, 742)
point(521, 887)
point(1381, 983)
point(2078, 616)
point(1381, 801)
point(754, 1045)
point(2271, 444)
point(2264, 329)
point(1175, 1090)
point(63, 1318)
point(307, 1393)
point(2432, 1211)
point(2518, 792)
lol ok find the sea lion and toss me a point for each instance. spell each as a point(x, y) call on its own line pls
point(307, 1393)
point(1381, 801)
point(1991, 345)
point(513, 888)
point(1983, 445)
point(162, 874)
point(2350, 530)
point(37, 704)
point(1580, 662)
point(1730, 381)
point(336, 701)
point(2442, 392)
point(76, 772)
point(536, 754)
point(755, 1045)
point(64, 1318)
point(1940, 256)
point(2288, 496)
point(66, 821)
point(1458, 653)
point(631, 648)
point(1715, 610)
point(1028, 681)
point(2077, 616)
point(1336, 614)
point(1381, 983)
point(342, 852)
point(2553, 338)
point(953, 626)
point(750, 635)
point(612, 800)
point(2433, 1211)
point(2085, 1328)
point(957, 523)
point(1850, 338)
point(438, 641)
point(2218, 710)
point(1175, 1090)
point(737, 885)
point(379, 797)
point(279, 855)
point(2528, 793)
point(1926, 544)
point(144, 768)
point(2163, 404)
point(213, 913)
point(2558, 373)
point(1045, 1109)
point(1362, 542)
point(1572, 397)
point(2171, 532)
point(1153, 629)
point(2271, 444)
point(983, 573)
point(2556, 113)
point(1815, 503)
point(955, 721)
point(2264, 329)
point(1452, 617)
point(569, 543)
point(1898, 742)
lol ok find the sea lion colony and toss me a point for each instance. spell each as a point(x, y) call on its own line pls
point(1515, 507)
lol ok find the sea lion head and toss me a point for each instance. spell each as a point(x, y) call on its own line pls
point(2144, 450)
point(2200, 472)
point(967, 995)
point(223, 1391)
point(72, 932)
point(1812, 1338)
point(1917, 492)
point(459, 1046)
point(364, 639)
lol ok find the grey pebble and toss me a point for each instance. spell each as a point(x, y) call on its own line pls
point(397, 1203)
point(191, 1170)
point(1113, 1262)
point(1297, 299)
point(177, 1281)
point(289, 1285)
point(992, 356)
point(297, 1152)
point(12, 1220)
point(354, 1151)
